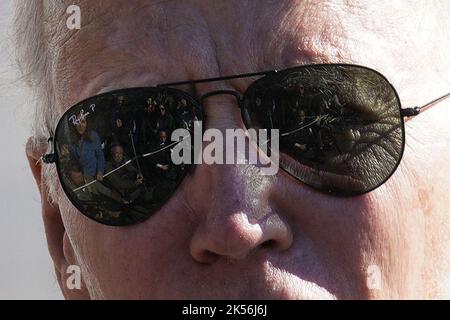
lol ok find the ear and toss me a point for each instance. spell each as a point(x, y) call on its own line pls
point(60, 249)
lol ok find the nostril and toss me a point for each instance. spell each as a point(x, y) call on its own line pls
point(269, 244)
point(206, 257)
point(234, 236)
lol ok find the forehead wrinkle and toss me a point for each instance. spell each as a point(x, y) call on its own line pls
point(118, 46)
point(97, 21)
point(56, 18)
point(283, 34)
point(102, 14)
point(95, 50)
point(306, 32)
point(67, 45)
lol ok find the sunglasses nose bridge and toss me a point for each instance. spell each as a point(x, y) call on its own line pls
point(235, 94)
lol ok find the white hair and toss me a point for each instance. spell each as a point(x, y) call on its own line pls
point(33, 59)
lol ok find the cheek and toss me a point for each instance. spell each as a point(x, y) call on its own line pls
point(383, 228)
point(136, 259)
point(396, 242)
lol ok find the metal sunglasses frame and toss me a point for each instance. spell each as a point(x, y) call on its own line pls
point(51, 157)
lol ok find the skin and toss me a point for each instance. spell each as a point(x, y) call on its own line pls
point(162, 136)
point(81, 126)
point(77, 178)
point(229, 232)
point(120, 100)
point(301, 115)
point(117, 154)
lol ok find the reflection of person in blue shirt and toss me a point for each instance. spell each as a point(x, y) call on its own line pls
point(87, 149)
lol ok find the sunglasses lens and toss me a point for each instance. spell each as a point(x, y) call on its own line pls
point(340, 126)
point(114, 154)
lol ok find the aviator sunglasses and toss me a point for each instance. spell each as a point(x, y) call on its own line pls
point(341, 132)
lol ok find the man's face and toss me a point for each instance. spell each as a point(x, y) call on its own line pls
point(77, 178)
point(117, 154)
point(301, 90)
point(301, 115)
point(229, 232)
point(163, 136)
point(81, 126)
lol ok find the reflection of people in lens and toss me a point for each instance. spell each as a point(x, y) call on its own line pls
point(64, 152)
point(75, 178)
point(119, 112)
point(183, 115)
point(301, 90)
point(302, 136)
point(295, 92)
point(163, 137)
point(164, 173)
point(266, 108)
point(86, 147)
point(76, 175)
point(302, 100)
point(81, 126)
point(301, 116)
point(181, 106)
point(127, 180)
point(149, 126)
point(165, 121)
point(329, 113)
point(228, 231)
point(299, 138)
point(122, 122)
point(163, 157)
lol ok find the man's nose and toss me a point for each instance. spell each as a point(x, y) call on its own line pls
point(233, 202)
point(235, 216)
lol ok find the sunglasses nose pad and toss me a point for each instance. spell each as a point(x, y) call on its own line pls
point(245, 117)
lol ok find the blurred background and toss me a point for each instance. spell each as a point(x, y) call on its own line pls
point(26, 271)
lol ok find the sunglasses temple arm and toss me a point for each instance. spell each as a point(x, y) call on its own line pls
point(239, 76)
point(414, 111)
point(49, 158)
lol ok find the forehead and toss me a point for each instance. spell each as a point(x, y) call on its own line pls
point(117, 149)
point(136, 42)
